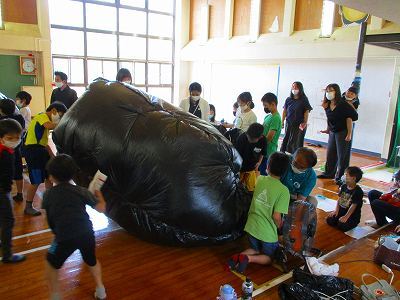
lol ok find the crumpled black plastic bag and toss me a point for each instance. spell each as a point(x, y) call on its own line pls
point(172, 178)
point(305, 282)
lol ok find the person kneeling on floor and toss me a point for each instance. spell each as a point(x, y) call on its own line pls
point(300, 177)
point(386, 205)
point(270, 201)
point(67, 217)
point(251, 146)
point(348, 209)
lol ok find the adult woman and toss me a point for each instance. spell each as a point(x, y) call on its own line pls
point(245, 115)
point(194, 104)
point(124, 75)
point(340, 116)
point(295, 111)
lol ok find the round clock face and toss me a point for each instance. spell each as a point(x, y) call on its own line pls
point(28, 66)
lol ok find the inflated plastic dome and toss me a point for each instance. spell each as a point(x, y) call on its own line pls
point(172, 178)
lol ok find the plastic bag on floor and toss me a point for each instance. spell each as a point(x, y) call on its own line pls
point(172, 177)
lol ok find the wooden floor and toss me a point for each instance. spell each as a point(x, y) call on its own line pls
point(136, 269)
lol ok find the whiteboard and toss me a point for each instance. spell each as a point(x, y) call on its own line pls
point(229, 80)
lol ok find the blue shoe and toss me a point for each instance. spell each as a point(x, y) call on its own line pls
point(15, 258)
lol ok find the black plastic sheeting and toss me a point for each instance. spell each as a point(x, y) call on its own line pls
point(172, 178)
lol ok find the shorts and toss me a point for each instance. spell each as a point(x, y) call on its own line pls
point(268, 249)
point(249, 180)
point(36, 157)
point(60, 251)
point(18, 164)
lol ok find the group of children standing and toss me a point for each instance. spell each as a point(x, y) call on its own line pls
point(283, 178)
point(63, 202)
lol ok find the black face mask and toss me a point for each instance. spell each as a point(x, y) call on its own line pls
point(234, 113)
point(267, 111)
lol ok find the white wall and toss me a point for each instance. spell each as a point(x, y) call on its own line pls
point(377, 78)
point(222, 82)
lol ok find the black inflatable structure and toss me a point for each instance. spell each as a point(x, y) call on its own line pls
point(172, 178)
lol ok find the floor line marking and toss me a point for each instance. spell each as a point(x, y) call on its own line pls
point(48, 246)
point(31, 234)
point(326, 190)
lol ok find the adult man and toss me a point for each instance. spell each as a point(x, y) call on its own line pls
point(63, 93)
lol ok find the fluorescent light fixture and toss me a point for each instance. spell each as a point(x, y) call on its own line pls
point(255, 11)
point(328, 11)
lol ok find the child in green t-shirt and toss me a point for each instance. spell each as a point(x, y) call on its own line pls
point(272, 128)
point(270, 201)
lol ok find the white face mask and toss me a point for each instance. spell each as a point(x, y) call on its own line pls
point(59, 84)
point(330, 95)
point(127, 82)
point(195, 98)
point(295, 92)
point(11, 144)
point(296, 170)
point(55, 118)
point(243, 108)
point(349, 99)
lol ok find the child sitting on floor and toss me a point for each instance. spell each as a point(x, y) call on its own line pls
point(270, 201)
point(348, 209)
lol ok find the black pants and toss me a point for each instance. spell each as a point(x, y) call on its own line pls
point(293, 139)
point(349, 225)
point(336, 154)
point(348, 153)
point(382, 209)
point(6, 223)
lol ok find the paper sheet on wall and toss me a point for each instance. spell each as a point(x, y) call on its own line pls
point(360, 232)
point(326, 204)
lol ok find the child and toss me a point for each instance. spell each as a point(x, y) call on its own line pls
point(348, 209)
point(272, 128)
point(386, 205)
point(66, 214)
point(270, 201)
point(245, 115)
point(10, 138)
point(23, 99)
point(7, 110)
point(38, 152)
point(251, 146)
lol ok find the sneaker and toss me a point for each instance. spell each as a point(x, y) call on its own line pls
point(18, 197)
point(243, 262)
point(233, 262)
point(15, 258)
point(32, 211)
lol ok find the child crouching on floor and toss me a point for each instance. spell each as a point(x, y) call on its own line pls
point(270, 201)
point(348, 209)
point(66, 214)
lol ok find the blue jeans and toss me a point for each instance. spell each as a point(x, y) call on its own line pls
point(263, 166)
point(263, 247)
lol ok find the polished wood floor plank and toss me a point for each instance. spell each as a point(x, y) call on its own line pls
point(133, 268)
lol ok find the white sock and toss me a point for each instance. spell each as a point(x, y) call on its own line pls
point(101, 292)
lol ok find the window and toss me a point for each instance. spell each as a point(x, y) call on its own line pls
point(105, 35)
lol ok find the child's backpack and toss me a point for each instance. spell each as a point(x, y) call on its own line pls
point(299, 228)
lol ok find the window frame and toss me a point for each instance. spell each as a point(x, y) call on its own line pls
point(119, 33)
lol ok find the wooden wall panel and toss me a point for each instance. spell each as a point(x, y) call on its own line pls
point(195, 18)
point(308, 14)
point(241, 17)
point(269, 10)
point(217, 18)
point(20, 11)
